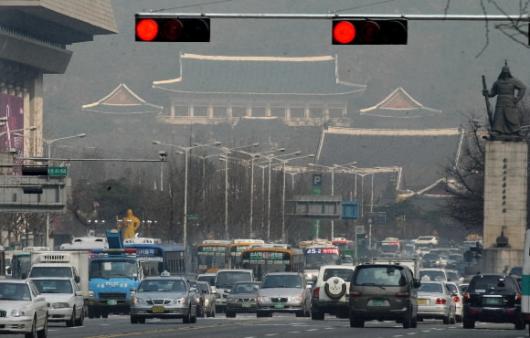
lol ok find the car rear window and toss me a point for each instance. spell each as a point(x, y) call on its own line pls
point(491, 284)
point(452, 276)
point(345, 274)
point(432, 275)
point(431, 287)
point(381, 276)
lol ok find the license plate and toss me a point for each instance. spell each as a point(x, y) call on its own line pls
point(158, 309)
point(112, 302)
point(378, 302)
point(279, 306)
point(246, 305)
point(492, 300)
point(423, 301)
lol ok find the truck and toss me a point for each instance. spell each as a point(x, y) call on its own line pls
point(71, 264)
point(113, 275)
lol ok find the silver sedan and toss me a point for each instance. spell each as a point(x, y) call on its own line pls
point(283, 292)
point(435, 301)
point(165, 298)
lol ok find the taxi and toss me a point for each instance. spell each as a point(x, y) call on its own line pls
point(164, 297)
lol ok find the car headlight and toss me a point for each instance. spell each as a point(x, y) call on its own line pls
point(60, 305)
point(182, 300)
point(91, 294)
point(206, 301)
point(138, 300)
point(295, 299)
point(263, 299)
point(18, 313)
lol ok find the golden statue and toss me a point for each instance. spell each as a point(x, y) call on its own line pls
point(129, 225)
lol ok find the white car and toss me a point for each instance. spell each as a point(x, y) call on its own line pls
point(433, 275)
point(330, 291)
point(65, 299)
point(457, 299)
point(22, 309)
point(422, 240)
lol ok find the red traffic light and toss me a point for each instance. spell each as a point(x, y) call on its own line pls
point(369, 32)
point(344, 32)
point(146, 29)
point(172, 29)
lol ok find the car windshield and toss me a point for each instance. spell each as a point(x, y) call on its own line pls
point(14, 291)
point(113, 269)
point(316, 260)
point(452, 276)
point(431, 288)
point(228, 278)
point(380, 276)
point(282, 281)
point(209, 279)
point(491, 285)
point(345, 274)
point(245, 288)
point(162, 285)
point(50, 271)
point(53, 286)
point(204, 288)
point(432, 275)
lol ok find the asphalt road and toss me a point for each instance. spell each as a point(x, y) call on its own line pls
point(281, 326)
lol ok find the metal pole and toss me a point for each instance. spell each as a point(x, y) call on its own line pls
point(204, 181)
point(362, 196)
point(262, 197)
point(355, 186)
point(185, 221)
point(226, 198)
point(332, 194)
point(161, 176)
point(47, 231)
point(250, 230)
point(269, 202)
point(370, 234)
point(283, 202)
point(327, 16)
point(372, 196)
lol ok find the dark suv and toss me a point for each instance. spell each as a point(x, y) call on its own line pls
point(493, 298)
point(383, 292)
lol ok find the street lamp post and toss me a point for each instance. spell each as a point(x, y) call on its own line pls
point(49, 143)
point(186, 151)
point(284, 162)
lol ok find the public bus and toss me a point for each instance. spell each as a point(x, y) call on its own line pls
point(156, 257)
point(21, 261)
point(237, 247)
point(272, 258)
point(390, 245)
point(212, 255)
point(345, 246)
point(317, 255)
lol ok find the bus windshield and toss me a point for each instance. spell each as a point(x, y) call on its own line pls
point(50, 271)
point(316, 257)
point(113, 269)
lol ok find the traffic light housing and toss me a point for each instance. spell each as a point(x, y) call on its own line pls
point(369, 32)
point(172, 29)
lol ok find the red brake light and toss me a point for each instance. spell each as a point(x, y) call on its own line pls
point(316, 293)
point(518, 297)
point(147, 29)
point(344, 32)
point(456, 299)
point(440, 301)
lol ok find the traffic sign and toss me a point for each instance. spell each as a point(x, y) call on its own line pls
point(58, 171)
point(193, 217)
point(317, 184)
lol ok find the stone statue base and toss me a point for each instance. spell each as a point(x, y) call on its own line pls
point(505, 192)
point(500, 260)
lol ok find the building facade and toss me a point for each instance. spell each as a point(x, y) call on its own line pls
point(34, 35)
point(300, 91)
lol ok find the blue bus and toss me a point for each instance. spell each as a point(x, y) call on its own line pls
point(158, 257)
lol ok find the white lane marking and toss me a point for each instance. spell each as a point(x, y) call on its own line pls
point(329, 328)
point(294, 332)
point(271, 334)
point(397, 335)
point(250, 337)
point(411, 333)
point(311, 330)
point(426, 331)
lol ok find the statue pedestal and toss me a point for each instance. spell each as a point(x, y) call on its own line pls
point(498, 260)
point(505, 198)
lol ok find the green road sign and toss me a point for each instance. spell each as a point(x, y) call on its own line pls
point(193, 217)
point(58, 171)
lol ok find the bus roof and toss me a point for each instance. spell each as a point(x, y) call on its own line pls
point(274, 249)
point(163, 246)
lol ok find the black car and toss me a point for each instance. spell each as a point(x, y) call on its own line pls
point(493, 298)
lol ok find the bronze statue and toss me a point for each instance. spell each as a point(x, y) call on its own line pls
point(506, 121)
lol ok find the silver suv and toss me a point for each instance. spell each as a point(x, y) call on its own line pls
point(330, 292)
